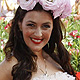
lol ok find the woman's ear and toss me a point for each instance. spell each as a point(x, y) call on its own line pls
point(20, 26)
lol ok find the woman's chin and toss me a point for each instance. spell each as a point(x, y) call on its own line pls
point(36, 50)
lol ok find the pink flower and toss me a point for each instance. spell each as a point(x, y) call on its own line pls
point(8, 25)
point(58, 7)
point(77, 51)
point(77, 36)
point(73, 33)
point(17, 0)
point(27, 5)
point(66, 21)
point(73, 49)
point(1, 18)
point(5, 27)
point(78, 75)
point(69, 44)
point(2, 46)
point(1, 39)
point(70, 52)
point(75, 18)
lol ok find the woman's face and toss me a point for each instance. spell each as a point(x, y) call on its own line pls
point(36, 28)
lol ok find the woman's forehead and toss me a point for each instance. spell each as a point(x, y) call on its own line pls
point(38, 15)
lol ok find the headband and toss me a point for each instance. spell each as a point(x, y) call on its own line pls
point(60, 8)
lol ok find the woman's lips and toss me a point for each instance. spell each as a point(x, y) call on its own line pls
point(36, 40)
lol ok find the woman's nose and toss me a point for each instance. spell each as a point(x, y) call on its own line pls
point(38, 32)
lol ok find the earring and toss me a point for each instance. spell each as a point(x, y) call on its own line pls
point(48, 45)
point(56, 50)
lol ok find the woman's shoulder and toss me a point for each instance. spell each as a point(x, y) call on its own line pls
point(6, 68)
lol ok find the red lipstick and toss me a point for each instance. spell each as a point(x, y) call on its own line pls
point(36, 40)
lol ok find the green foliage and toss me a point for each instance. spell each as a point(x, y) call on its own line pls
point(72, 40)
point(3, 37)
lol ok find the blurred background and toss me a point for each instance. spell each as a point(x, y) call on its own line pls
point(71, 30)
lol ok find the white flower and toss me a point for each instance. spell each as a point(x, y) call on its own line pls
point(27, 5)
point(58, 7)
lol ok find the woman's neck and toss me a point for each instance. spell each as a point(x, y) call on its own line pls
point(39, 54)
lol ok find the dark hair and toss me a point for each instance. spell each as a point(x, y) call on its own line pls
point(26, 58)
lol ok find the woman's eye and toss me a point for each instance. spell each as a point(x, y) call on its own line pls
point(46, 26)
point(32, 25)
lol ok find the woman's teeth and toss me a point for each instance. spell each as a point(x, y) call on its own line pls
point(36, 40)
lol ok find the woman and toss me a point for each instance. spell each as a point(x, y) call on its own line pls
point(34, 50)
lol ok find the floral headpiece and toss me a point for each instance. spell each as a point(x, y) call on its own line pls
point(60, 8)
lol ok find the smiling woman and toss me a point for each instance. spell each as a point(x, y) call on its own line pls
point(34, 36)
point(36, 28)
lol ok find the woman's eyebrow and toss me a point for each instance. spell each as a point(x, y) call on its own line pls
point(42, 23)
point(31, 21)
point(47, 23)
